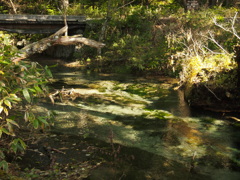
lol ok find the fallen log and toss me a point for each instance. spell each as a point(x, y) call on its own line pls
point(69, 40)
point(55, 39)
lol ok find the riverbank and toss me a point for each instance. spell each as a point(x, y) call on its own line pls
point(209, 97)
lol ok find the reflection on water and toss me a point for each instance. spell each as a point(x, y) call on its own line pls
point(153, 124)
point(174, 103)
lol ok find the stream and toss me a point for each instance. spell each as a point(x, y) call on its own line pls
point(146, 125)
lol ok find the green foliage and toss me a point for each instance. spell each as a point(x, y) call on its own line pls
point(212, 68)
point(39, 7)
point(139, 41)
point(21, 85)
point(3, 10)
point(4, 165)
point(128, 38)
point(80, 9)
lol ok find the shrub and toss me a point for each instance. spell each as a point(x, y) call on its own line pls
point(20, 86)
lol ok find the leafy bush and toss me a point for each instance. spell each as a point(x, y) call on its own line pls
point(20, 86)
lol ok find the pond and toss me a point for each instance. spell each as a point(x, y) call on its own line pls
point(148, 127)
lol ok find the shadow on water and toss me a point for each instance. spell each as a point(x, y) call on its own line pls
point(158, 135)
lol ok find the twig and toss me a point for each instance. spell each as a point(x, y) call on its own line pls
point(123, 175)
point(212, 39)
point(213, 93)
point(194, 47)
point(219, 25)
point(233, 23)
point(58, 151)
point(233, 30)
point(211, 50)
point(234, 118)
point(125, 5)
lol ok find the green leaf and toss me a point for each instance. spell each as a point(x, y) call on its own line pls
point(35, 123)
point(5, 111)
point(2, 155)
point(8, 103)
point(14, 145)
point(26, 116)
point(3, 130)
point(10, 128)
point(38, 89)
point(1, 109)
point(4, 165)
point(48, 71)
point(41, 119)
point(18, 144)
point(32, 90)
point(24, 146)
point(13, 122)
point(14, 97)
point(27, 95)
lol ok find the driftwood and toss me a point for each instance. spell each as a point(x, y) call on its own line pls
point(55, 39)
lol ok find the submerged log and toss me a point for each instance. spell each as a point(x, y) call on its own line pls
point(55, 39)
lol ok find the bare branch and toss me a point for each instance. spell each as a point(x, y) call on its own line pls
point(125, 5)
point(233, 23)
point(219, 25)
point(211, 50)
point(214, 40)
point(212, 93)
point(232, 30)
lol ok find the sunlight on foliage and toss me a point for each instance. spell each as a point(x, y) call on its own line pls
point(21, 85)
point(198, 69)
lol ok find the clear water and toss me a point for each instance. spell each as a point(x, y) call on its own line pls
point(152, 123)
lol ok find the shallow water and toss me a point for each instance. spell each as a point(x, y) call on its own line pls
point(151, 122)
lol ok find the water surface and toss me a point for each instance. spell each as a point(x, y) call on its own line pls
point(161, 136)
